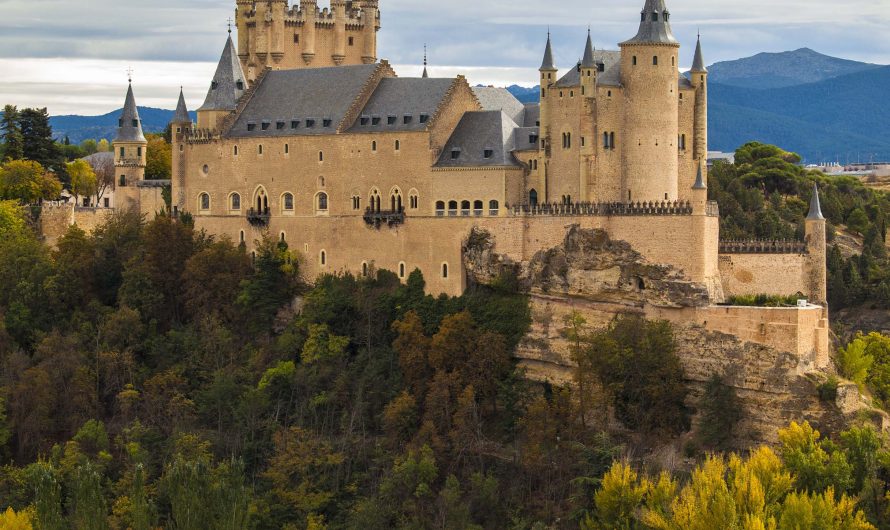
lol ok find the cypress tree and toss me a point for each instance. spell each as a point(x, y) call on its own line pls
point(13, 143)
point(39, 145)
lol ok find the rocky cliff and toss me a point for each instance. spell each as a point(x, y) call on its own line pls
point(597, 278)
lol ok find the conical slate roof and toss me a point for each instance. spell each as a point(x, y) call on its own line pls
point(815, 206)
point(698, 64)
point(228, 82)
point(699, 180)
point(587, 61)
point(182, 111)
point(426, 75)
point(655, 26)
point(547, 63)
point(130, 126)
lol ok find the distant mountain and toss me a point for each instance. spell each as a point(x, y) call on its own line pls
point(778, 70)
point(80, 128)
point(525, 94)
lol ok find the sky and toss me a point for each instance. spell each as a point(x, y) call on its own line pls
point(73, 56)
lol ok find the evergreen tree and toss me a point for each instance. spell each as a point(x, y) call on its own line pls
point(38, 141)
point(13, 143)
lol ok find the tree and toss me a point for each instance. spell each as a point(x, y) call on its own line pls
point(721, 411)
point(83, 179)
point(816, 465)
point(158, 158)
point(104, 146)
point(13, 142)
point(854, 361)
point(37, 134)
point(10, 520)
point(269, 288)
point(27, 182)
point(212, 280)
point(12, 220)
point(103, 167)
point(89, 147)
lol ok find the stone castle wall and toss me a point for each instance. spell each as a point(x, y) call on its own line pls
point(752, 274)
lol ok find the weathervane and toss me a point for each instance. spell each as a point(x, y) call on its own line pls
point(230, 25)
point(130, 74)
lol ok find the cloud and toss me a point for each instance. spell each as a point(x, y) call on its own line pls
point(71, 56)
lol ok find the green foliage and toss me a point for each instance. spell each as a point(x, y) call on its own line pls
point(158, 158)
point(816, 465)
point(12, 220)
point(12, 140)
point(636, 361)
point(854, 362)
point(27, 182)
point(83, 178)
point(828, 389)
point(764, 300)
point(720, 413)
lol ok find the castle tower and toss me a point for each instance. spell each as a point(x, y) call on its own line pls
point(243, 14)
point(371, 19)
point(130, 149)
point(649, 76)
point(226, 89)
point(698, 76)
point(548, 78)
point(339, 10)
point(309, 11)
point(181, 125)
point(588, 70)
point(815, 234)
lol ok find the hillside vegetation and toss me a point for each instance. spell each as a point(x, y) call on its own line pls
point(766, 195)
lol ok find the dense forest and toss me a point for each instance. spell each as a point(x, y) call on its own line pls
point(154, 376)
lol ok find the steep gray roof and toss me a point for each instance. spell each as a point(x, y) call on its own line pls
point(815, 213)
point(532, 116)
point(699, 180)
point(684, 82)
point(588, 61)
point(571, 78)
point(656, 31)
point(182, 111)
point(228, 83)
point(311, 97)
point(495, 98)
point(129, 125)
point(476, 133)
point(698, 63)
point(96, 159)
point(611, 61)
point(547, 63)
point(398, 103)
point(522, 138)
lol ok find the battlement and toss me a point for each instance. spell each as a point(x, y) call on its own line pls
point(763, 246)
point(605, 209)
point(201, 136)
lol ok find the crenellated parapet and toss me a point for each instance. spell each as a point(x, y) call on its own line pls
point(763, 246)
point(654, 208)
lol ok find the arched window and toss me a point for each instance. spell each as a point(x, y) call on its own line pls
point(611, 140)
point(365, 269)
point(261, 201)
point(321, 156)
point(241, 237)
point(414, 201)
point(287, 202)
point(235, 150)
point(533, 197)
point(452, 208)
point(356, 202)
point(465, 208)
point(634, 60)
point(477, 208)
point(402, 270)
point(260, 149)
point(321, 182)
point(204, 202)
point(235, 201)
point(445, 270)
point(375, 200)
point(322, 202)
point(283, 237)
point(655, 60)
point(398, 145)
point(374, 145)
point(493, 207)
point(323, 258)
point(440, 208)
point(395, 200)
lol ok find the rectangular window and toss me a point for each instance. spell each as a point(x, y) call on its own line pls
point(488, 153)
point(391, 120)
point(279, 125)
point(251, 126)
point(294, 124)
point(266, 125)
point(326, 123)
point(351, 41)
point(122, 152)
point(296, 38)
point(286, 149)
point(424, 118)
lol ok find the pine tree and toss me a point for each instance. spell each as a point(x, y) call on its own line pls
point(38, 142)
point(13, 143)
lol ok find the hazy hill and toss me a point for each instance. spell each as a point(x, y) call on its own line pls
point(842, 118)
point(777, 70)
point(79, 128)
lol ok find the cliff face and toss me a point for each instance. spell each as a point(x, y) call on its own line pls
point(597, 278)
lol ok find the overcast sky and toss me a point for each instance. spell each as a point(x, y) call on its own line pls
point(72, 56)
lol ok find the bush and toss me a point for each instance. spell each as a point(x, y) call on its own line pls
point(765, 300)
point(828, 390)
point(721, 412)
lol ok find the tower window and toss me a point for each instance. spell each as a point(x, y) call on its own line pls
point(122, 152)
point(445, 270)
point(288, 201)
point(323, 258)
point(401, 270)
point(260, 149)
point(296, 38)
point(139, 151)
point(655, 60)
point(123, 181)
point(634, 60)
point(398, 145)
point(235, 150)
point(286, 149)
point(654, 17)
point(321, 156)
point(351, 41)
point(374, 146)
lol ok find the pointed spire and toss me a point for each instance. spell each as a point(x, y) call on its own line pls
point(228, 83)
point(698, 64)
point(699, 179)
point(815, 206)
point(426, 75)
point(655, 25)
point(130, 126)
point(547, 63)
point(588, 61)
point(182, 111)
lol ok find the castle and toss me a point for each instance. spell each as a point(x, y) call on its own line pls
point(305, 135)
